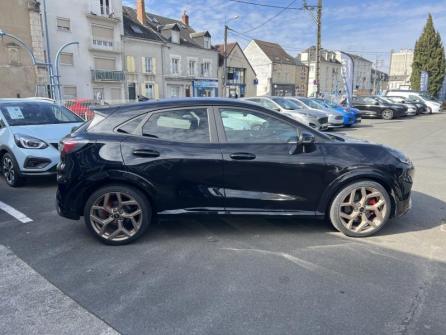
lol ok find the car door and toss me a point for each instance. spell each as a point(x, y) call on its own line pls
point(262, 170)
point(177, 151)
point(367, 105)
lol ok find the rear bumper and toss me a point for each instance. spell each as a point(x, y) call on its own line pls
point(64, 210)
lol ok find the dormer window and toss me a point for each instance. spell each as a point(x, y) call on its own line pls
point(175, 37)
point(207, 42)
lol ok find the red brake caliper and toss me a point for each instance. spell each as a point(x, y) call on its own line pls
point(372, 202)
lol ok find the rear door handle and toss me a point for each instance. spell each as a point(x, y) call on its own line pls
point(146, 153)
point(242, 156)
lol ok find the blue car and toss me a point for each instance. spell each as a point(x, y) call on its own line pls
point(349, 117)
point(30, 131)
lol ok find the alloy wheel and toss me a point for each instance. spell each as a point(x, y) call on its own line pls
point(116, 216)
point(363, 210)
point(387, 114)
point(8, 170)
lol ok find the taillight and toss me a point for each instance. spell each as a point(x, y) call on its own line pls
point(70, 145)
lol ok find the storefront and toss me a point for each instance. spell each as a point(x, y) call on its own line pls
point(205, 88)
point(284, 90)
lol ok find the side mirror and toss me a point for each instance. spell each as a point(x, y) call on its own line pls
point(277, 109)
point(376, 103)
point(301, 139)
point(307, 138)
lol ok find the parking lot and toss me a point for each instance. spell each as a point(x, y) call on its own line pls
point(234, 275)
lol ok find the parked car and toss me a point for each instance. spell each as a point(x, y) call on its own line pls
point(420, 106)
point(374, 107)
point(317, 119)
point(350, 117)
point(286, 107)
point(209, 156)
point(335, 119)
point(411, 109)
point(82, 107)
point(30, 130)
point(433, 105)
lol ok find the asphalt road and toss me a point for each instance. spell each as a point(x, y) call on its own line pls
point(234, 275)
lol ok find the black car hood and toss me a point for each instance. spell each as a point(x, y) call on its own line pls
point(347, 139)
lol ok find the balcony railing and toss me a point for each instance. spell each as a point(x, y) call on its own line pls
point(105, 75)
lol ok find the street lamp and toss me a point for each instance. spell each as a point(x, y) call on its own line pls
point(59, 95)
point(225, 53)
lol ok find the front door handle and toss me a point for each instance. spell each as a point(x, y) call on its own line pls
point(146, 153)
point(242, 156)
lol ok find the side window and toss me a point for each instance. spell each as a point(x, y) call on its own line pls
point(369, 101)
point(130, 126)
point(2, 124)
point(243, 126)
point(268, 104)
point(414, 98)
point(185, 125)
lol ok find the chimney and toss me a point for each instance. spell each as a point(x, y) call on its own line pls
point(185, 18)
point(141, 12)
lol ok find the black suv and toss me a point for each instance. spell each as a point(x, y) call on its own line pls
point(222, 156)
point(374, 107)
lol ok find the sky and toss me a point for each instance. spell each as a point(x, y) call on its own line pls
point(368, 28)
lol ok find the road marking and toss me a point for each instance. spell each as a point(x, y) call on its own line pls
point(15, 213)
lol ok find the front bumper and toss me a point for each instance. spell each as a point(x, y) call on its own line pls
point(37, 161)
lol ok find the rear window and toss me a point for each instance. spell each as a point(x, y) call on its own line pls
point(35, 113)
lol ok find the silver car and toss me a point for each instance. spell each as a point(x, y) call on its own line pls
point(335, 119)
point(286, 107)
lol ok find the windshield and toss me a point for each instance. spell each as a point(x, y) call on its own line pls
point(312, 104)
point(428, 97)
point(285, 103)
point(36, 113)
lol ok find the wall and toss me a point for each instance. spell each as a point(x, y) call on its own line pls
point(262, 66)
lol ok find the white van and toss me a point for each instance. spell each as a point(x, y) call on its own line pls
point(433, 105)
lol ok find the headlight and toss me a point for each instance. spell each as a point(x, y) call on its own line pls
point(28, 142)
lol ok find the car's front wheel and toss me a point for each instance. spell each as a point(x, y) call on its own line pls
point(360, 209)
point(387, 114)
point(118, 214)
point(10, 171)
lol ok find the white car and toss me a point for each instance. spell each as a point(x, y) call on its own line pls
point(433, 105)
point(30, 131)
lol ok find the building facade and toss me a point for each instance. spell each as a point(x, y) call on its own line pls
point(330, 78)
point(400, 69)
point(94, 68)
point(19, 78)
point(241, 80)
point(278, 73)
point(184, 61)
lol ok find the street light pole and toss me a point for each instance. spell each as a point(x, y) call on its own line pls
point(225, 55)
point(57, 75)
point(318, 46)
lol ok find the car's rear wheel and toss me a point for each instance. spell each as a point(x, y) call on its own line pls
point(360, 209)
point(10, 171)
point(387, 114)
point(118, 214)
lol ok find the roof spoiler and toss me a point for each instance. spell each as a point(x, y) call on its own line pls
point(104, 111)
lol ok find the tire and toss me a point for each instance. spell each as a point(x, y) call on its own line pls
point(387, 114)
point(429, 110)
point(348, 219)
point(10, 170)
point(105, 208)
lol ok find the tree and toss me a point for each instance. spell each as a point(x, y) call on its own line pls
point(429, 56)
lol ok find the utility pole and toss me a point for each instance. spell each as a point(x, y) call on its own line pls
point(318, 45)
point(225, 61)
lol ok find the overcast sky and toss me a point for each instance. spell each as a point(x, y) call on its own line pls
point(369, 28)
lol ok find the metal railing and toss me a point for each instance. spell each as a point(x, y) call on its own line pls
point(106, 75)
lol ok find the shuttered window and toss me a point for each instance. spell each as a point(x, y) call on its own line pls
point(102, 32)
point(69, 92)
point(66, 58)
point(130, 60)
point(104, 64)
point(63, 24)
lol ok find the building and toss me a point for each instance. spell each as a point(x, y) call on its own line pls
point(92, 70)
point(185, 62)
point(380, 81)
point(400, 69)
point(19, 78)
point(278, 73)
point(241, 77)
point(330, 76)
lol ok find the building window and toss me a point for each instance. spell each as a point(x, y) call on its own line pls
point(106, 64)
point(147, 64)
point(130, 61)
point(63, 24)
point(192, 67)
point(13, 54)
point(132, 91)
point(173, 91)
point(175, 65)
point(207, 43)
point(236, 76)
point(102, 36)
point(66, 58)
point(175, 37)
point(206, 69)
point(105, 7)
point(69, 92)
point(148, 90)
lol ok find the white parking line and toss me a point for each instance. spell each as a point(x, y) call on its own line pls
point(15, 213)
